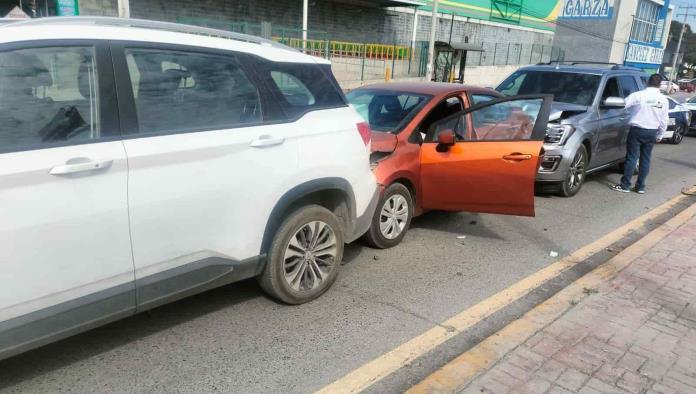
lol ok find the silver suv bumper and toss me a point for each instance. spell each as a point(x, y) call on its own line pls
point(553, 167)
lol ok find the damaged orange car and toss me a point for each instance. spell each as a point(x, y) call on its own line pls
point(450, 147)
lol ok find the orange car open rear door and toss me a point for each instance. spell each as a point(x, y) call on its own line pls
point(485, 158)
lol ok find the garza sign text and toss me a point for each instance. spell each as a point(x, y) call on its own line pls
point(644, 54)
point(587, 9)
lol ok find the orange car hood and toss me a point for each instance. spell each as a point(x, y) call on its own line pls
point(383, 142)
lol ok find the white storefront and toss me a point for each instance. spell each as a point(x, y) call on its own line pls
point(630, 32)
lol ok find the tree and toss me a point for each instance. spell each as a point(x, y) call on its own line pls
point(688, 46)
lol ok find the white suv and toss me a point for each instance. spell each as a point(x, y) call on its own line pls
point(141, 162)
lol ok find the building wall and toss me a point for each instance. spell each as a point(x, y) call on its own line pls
point(476, 31)
point(98, 7)
point(340, 21)
point(603, 39)
point(626, 10)
point(572, 35)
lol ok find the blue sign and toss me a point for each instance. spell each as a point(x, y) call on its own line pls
point(66, 8)
point(660, 31)
point(587, 9)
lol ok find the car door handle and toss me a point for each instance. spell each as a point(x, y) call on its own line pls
point(517, 157)
point(265, 140)
point(80, 164)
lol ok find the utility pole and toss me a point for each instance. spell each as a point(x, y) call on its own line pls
point(688, 8)
point(431, 43)
point(305, 17)
point(124, 8)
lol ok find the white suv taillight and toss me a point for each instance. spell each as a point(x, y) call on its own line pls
point(365, 132)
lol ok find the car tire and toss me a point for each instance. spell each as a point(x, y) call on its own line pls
point(304, 257)
point(678, 136)
point(576, 174)
point(389, 222)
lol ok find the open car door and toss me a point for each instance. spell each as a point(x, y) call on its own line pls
point(485, 158)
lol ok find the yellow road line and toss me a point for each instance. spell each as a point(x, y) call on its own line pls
point(384, 365)
point(462, 370)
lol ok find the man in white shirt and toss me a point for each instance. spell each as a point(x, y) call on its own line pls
point(649, 111)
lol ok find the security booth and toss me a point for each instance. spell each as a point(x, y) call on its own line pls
point(450, 60)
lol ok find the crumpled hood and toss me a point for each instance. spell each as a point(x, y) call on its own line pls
point(557, 109)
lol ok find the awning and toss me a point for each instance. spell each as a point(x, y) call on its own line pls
point(462, 46)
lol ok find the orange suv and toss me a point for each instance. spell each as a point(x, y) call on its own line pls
point(451, 147)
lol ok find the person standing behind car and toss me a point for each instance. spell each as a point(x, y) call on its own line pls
point(649, 112)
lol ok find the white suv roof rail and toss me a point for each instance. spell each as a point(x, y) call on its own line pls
point(149, 24)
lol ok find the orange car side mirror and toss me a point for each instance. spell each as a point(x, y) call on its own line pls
point(445, 139)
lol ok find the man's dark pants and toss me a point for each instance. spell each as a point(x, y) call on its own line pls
point(640, 144)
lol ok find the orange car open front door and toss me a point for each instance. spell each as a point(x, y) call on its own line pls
point(485, 158)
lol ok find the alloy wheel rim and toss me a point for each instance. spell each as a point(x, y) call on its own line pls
point(393, 216)
point(310, 256)
point(576, 172)
point(678, 135)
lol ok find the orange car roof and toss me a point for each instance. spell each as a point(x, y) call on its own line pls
point(431, 88)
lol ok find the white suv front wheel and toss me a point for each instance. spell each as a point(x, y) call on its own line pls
point(305, 256)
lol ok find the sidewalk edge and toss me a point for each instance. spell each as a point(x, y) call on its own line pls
point(458, 373)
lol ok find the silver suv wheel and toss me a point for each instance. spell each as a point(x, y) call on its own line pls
point(576, 173)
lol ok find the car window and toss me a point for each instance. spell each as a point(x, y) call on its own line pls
point(178, 91)
point(672, 103)
point(386, 110)
point(300, 87)
point(507, 120)
point(293, 89)
point(48, 96)
point(566, 87)
point(611, 88)
point(628, 85)
point(445, 108)
point(644, 80)
point(481, 98)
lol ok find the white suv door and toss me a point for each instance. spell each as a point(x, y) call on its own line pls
point(64, 236)
point(204, 171)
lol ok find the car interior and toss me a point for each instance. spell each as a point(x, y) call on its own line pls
point(36, 108)
point(170, 87)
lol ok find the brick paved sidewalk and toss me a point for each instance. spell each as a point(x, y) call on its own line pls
point(636, 334)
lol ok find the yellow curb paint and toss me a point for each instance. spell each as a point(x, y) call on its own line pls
point(373, 371)
point(461, 371)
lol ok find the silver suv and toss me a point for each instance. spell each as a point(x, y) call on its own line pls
point(588, 126)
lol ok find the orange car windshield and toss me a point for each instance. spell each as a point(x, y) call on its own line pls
point(386, 110)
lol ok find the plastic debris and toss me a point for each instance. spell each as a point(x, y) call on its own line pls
point(461, 237)
point(553, 254)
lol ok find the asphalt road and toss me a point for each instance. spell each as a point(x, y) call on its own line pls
point(234, 339)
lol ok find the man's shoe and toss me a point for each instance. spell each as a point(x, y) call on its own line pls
point(639, 191)
point(620, 188)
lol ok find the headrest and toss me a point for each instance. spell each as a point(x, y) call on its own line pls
point(390, 103)
point(161, 81)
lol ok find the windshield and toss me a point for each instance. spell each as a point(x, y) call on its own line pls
point(571, 88)
point(692, 100)
point(386, 110)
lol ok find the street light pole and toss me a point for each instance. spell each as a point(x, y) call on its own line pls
point(124, 8)
point(305, 16)
point(431, 43)
point(676, 53)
